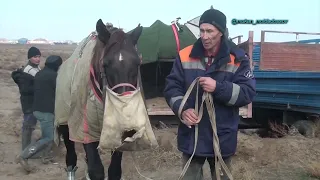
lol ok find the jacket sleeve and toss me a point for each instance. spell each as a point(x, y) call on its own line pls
point(241, 90)
point(26, 85)
point(175, 87)
point(15, 75)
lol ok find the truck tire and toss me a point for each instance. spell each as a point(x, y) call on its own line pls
point(305, 127)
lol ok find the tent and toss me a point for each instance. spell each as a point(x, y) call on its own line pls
point(193, 26)
point(158, 43)
point(158, 47)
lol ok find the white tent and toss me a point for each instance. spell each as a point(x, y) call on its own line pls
point(193, 26)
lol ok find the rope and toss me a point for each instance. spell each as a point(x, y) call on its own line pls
point(86, 42)
point(208, 99)
point(176, 36)
point(80, 54)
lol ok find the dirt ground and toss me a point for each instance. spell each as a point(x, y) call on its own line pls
point(288, 158)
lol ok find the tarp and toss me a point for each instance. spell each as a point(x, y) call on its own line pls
point(158, 42)
point(193, 26)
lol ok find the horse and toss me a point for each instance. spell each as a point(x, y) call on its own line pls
point(106, 58)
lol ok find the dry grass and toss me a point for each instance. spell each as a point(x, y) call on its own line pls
point(291, 157)
point(13, 56)
point(243, 171)
point(313, 169)
point(278, 130)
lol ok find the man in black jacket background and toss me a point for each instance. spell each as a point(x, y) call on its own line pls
point(43, 109)
point(24, 78)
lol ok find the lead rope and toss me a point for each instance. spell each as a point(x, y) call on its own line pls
point(208, 99)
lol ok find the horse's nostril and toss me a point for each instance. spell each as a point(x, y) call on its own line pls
point(127, 134)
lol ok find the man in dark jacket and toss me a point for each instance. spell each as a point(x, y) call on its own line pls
point(43, 108)
point(24, 78)
point(226, 74)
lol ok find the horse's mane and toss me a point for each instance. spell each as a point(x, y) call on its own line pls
point(116, 40)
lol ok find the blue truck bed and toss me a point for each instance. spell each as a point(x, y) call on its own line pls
point(285, 89)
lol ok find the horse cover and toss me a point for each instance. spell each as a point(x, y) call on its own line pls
point(75, 104)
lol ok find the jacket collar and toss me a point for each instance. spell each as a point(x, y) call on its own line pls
point(32, 65)
point(223, 56)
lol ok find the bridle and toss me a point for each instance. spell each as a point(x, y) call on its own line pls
point(105, 83)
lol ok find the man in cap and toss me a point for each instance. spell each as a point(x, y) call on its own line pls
point(24, 78)
point(225, 73)
point(43, 110)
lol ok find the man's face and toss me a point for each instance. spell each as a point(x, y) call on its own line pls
point(35, 60)
point(210, 36)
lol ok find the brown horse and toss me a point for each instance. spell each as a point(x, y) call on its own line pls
point(106, 58)
point(115, 62)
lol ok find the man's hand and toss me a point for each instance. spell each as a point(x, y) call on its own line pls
point(208, 84)
point(189, 117)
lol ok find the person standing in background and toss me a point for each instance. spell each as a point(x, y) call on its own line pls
point(24, 78)
point(43, 110)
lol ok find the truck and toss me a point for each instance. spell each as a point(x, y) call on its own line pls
point(287, 81)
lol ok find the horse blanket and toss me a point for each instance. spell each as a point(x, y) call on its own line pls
point(76, 103)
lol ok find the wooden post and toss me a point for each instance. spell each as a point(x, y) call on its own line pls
point(263, 33)
point(251, 48)
point(250, 39)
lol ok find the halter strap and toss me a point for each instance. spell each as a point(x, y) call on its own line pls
point(123, 85)
point(176, 36)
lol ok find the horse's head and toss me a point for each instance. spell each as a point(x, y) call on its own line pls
point(119, 59)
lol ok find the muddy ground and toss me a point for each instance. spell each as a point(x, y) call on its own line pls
point(287, 158)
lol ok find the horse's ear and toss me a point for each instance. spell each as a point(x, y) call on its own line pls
point(135, 34)
point(103, 33)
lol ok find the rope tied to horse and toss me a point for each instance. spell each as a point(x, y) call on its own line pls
point(208, 100)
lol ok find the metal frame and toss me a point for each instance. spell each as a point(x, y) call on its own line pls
point(238, 37)
point(263, 34)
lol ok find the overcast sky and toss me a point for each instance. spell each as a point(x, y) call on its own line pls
point(75, 19)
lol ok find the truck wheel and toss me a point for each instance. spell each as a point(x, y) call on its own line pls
point(305, 127)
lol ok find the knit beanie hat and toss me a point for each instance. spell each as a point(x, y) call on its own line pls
point(215, 18)
point(53, 62)
point(33, 51)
